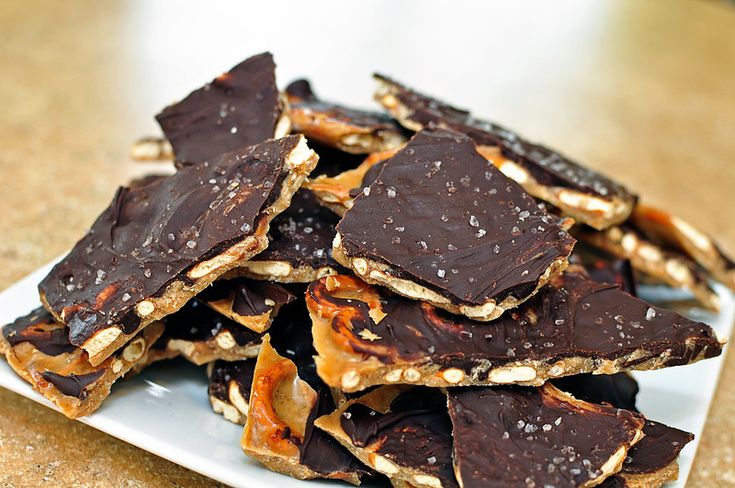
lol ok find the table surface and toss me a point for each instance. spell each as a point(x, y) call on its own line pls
point(642, 90)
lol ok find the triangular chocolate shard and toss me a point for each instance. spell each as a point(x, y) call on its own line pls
point(534, 437)
point(443, 226)
point(366, 336)
point(163, 240)
point(580, 192)
point(402, 432)
point(348, 129)
point(237, 109)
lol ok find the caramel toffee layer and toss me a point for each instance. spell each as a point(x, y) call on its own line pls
point(673, 233)
point(237, 109)
point(283, 404)
point(366, 336)
point(333, 161)
point(152, 234)
point(251, 303)
point(440, 215)
point(302, 235)
point(37, 347)
point(546, 166)
point(355, 131)
point(671, 267)
point(515, 436)
point(414, 432)
point(291, 337)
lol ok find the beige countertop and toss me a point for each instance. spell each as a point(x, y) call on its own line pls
point(642, 90)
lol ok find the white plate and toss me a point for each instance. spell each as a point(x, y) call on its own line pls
point(165, 410)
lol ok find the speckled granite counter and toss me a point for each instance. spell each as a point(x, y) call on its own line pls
point(643, 90)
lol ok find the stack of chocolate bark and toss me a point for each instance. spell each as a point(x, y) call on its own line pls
point(419, 294)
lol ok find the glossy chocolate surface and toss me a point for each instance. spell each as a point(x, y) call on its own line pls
point(249, 297)
point(571, 317)
point(223, 372)
point(73, 385)
point(236, 110)
point(659, 448)
point(154, 233)
point(415, 433)
point(516, 436)
point(41, 330)
point(440, 215)
point(547, 166)
point(302, 235)
point(604, 267)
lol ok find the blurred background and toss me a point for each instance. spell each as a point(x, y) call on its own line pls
point(643, 90)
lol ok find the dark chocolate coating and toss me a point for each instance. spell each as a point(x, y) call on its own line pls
point(153, 234)
point(302, 235)
point(571, 317)
point(332, 161)
point(249, 295)
point(73, 385)
point(291, 337)
point(416, 433)
point(515, 436)
point(237, 109)
point(604, 267)
point(440, 215)
point(547, 166)
point(659, 448)
point(370, 176)
point(241, 372)
point(619, 390)
point(41, 330)
point(196, 322)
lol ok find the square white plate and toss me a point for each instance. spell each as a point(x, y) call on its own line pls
point(165, 410)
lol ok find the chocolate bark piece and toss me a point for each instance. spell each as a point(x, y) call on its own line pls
point(237, 109)
point(671, 232)
point(253, 304)
point(366, 336)
point(300, 245)
point(338, 192)
point(619, 390)
point(279, 431)
point(160, 243)
point(151, 149)
point(348, 129)
point(580, 192)
point(229, 388)
point(515, 436)
point(652, 461)
point(202, 335)
point(669, 267)
point(402, 432)
point(605, 267)
point(443, 226)
point(37, 347)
